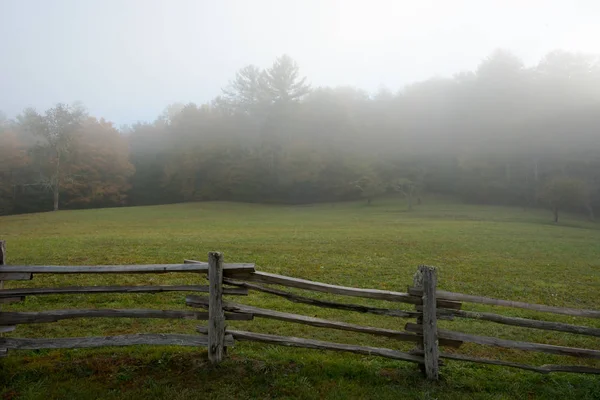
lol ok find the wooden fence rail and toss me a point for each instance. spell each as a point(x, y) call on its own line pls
point(574, 312)
point(430, 305)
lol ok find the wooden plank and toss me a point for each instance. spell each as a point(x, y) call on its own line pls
point(323, 303)
point(511, 344)
point(17, 276)
point(197, 301)
point(2, 259)
point(7, 328)
point(320, 345)
point(525, 322)
point(228, 269)
point(8, 300)
point(101, 341)
point(3, 352)
point(509, 303)
point(114, 289)
point(265, 277)
point(579, 369)
point(36, 317)
point(544, 369)
point(231, 274)
point(2, 263)
point(430, 337)
point(216, 323)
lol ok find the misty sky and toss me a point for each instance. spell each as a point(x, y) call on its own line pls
point(127, 59)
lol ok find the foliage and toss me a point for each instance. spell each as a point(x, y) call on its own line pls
point(58, 129)
point(101, 166)
point(489, 136)
point(370, 186)
point(83, 159)
point(12, 160)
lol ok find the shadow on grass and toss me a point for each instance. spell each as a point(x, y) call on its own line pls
point(189, 376)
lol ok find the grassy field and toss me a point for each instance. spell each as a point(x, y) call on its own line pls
point(500, 252)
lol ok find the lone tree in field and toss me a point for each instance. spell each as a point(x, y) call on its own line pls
point(409, 189)
point(58, 128)
point(564, 192)
point(370, 186)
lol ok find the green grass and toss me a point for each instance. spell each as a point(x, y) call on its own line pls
point(501, 252)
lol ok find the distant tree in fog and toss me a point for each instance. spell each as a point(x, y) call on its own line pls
point(495, 135)
point(58, 128)
point(562, 193)
point(283, 82)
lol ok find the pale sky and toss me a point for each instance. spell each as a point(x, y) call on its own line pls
point(126, 60)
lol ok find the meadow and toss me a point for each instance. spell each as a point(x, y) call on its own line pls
point(502, 252)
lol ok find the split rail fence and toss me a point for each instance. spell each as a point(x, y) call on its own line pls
point(430, 305)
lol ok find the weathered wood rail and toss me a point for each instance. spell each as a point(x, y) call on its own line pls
point(430, 305)
point(10, 320)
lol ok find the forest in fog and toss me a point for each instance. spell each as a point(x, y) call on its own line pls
point(504, 133)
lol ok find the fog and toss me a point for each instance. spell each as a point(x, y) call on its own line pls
point(127, 59)
point(134, 103)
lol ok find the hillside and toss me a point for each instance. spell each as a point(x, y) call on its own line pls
point(496, 251)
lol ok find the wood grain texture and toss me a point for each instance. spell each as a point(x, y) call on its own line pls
point(229, 269)
point(511, 344)
point(322, 303)
point(525, 322)
point(101, 341)
point(441, 294)
point(239, 274)
point(418, 283)
point(430, 336)
point(36, 317)
point(216, 322)
point(197, 301)
point(320, 345)
point(265, 277)
point(8, 300)
point(114, 289)
point(14, 276)
point(544, 369)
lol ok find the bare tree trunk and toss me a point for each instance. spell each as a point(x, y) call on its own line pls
point(56, 186)
point(368, 201)
point(590, 210)
point(56, 194)
point(555, 209)
point(410, 200)
point(536, 178)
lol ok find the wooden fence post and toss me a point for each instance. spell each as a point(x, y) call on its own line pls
point(2, 257)
point(431, 350)
point(418, 284)
point(216, 316)
point(2, 262)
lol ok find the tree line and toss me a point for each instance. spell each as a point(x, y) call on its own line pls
point(501, 134)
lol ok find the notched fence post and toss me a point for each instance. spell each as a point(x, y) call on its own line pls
point(431, 350)
point(216, 316)
point(418, 284)
point(2, 262)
